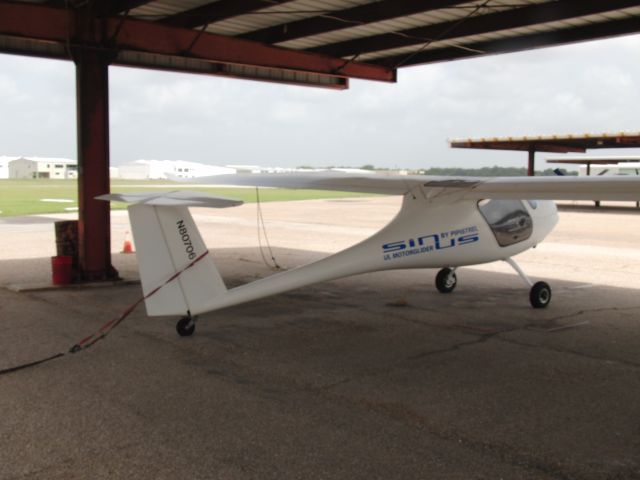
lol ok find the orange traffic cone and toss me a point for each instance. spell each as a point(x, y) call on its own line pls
point(127, 247)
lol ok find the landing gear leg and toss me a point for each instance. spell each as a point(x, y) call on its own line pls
point(186, 325)
point(540, 293)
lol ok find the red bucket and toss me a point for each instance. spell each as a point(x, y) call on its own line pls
point(62, 270)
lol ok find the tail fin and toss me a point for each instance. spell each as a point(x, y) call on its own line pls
point(167, 241)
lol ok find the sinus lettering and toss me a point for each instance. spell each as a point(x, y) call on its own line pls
point(430, 243)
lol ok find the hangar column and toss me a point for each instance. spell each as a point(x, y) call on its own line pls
point(532, 160)
point(94, 225)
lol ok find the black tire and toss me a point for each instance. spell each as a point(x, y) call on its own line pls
point(540, 295)
point(185, 327)
point(446, 280)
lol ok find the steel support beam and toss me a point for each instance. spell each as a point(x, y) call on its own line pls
point(94, 225)
point(532, 162)
point(136, 35)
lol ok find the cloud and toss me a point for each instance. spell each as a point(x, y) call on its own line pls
point(37, 104)
point(289, 111)
point(588, 87)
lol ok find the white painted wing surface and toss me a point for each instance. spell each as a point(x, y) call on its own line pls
point(342, 182)
point(539, 188)
point(558, 188)
point(176, 199)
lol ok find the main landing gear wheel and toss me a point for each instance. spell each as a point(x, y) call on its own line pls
point(540, 295)
point(186, 326)
point(446, 280)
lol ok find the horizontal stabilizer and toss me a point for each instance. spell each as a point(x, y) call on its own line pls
point(180, 198)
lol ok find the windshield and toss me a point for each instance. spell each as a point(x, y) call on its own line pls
point(508, 219)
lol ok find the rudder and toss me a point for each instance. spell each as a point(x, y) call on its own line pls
point(167, 242)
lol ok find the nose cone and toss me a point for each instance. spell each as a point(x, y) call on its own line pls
point(545, 219)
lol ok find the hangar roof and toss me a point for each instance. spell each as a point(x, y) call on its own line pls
point(595, 160)
point(314, 42)
point(554, 143)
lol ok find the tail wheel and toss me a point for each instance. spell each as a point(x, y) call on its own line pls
point(540, 295)
point(446, 280)
point(186, 326)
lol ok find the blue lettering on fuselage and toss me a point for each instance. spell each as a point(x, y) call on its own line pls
point(430, 243)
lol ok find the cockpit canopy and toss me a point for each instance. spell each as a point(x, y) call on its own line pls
point(508, 219)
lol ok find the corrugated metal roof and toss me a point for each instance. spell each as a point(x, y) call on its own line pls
point(159, 9)
point(280, 14)
point(363, 31)
point(501, 34)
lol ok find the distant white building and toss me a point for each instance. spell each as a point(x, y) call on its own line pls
point(260, 169)
point(163, 169)
point(358, 171)
point(4, 166)
point(136, 171)
point(246, 168)
point(38, 167)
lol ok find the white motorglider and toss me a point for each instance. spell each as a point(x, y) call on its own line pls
point(444, 222)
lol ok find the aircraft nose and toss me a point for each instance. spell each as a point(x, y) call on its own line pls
point(546, 217)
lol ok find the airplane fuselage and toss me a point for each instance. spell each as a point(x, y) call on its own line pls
point(424, 234)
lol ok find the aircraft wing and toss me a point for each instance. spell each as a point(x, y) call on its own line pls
point(558, 188)
point(338, 181)
point(452, 188)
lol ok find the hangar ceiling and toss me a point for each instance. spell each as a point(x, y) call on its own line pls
point(321, 43)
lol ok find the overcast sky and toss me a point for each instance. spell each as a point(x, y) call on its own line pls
point(589, 87)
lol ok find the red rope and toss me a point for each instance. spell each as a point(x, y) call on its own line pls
point(112, 324)
point(108, 327)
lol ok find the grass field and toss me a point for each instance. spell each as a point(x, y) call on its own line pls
point(29, 197)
